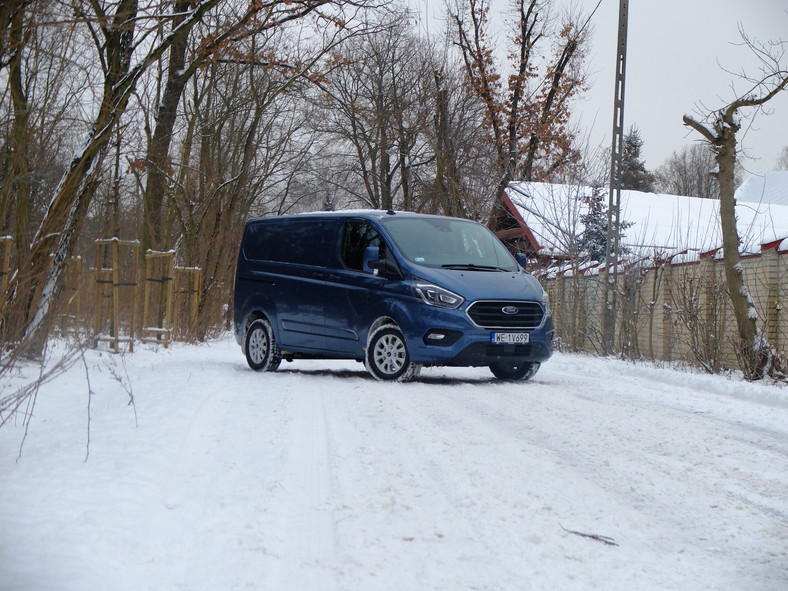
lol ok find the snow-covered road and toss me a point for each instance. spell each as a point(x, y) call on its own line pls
point(318, 477)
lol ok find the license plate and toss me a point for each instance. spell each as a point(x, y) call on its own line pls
point(510, 338)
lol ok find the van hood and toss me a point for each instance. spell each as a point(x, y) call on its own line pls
point(484, 285)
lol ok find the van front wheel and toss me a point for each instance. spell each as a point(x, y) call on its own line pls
point(387, 355)
point(262, 352)
point(524, 370)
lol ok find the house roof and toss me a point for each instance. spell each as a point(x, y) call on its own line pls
point(661, 225)
point(770, 187)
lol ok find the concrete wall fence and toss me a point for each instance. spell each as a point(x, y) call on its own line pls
point(673, 310)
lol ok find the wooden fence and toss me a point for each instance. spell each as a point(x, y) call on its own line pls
point(114, 299)
point(673, 310)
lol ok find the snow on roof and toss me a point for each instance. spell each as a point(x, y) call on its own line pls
point(662, 225)
point(770, 187)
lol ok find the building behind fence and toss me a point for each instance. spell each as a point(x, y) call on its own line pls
point(671, 302)
point(673, 310)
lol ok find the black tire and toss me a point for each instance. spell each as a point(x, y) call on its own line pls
point(262, 352)
point(523, 370)
point(387, 355)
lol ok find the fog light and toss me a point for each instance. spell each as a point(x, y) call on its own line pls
point(441, 338)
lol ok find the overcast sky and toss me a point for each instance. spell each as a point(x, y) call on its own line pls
point(675, 54)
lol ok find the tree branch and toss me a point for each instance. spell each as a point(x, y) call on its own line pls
point(699, 127)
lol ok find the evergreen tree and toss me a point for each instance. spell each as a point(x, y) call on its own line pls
point(593, 239)
point(633, 170)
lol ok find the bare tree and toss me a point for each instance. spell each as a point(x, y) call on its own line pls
point(41, 97)
point(127, 39)
point(689, 172)
point(698, 303)
point(41, 110)
point(459, 143)
point(218, 42)
point(241, 146)
point(16, 166)
point(374, 107)
point(526, 115)
point(124, 53)
point(12, 14)
point(719, 128)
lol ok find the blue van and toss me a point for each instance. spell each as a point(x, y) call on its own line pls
point(395, 290)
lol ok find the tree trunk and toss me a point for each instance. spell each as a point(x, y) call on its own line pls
point(59, 230)
point(753, 349)
point(46, 275)
point(743, 306)
point(20, 166)
point(444, 169)
point(157, 158)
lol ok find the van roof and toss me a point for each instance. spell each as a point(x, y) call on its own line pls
point(353, 213)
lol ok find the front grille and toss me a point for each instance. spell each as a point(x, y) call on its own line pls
point(491, 314)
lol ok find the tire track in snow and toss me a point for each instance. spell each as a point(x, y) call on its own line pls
point(221, 484)
point(509, 456)
point(739, 447)
point(514, 483)
point(307, 557)
point(435, 479)
point(390, 505)
point(660, 465)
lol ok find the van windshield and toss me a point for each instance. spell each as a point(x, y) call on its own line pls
point(449, 243)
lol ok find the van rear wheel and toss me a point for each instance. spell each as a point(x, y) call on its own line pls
point(387, 355)
point(522, 370)
point(262, 352)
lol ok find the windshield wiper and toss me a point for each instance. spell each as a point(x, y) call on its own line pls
point(472, 267)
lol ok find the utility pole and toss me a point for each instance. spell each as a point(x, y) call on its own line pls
point(614, 201)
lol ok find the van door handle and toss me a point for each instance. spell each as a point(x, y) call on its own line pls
point(333, 276)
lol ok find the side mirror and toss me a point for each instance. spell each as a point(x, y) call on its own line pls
point(371, 255)
point(522, 260)
point(387, 269)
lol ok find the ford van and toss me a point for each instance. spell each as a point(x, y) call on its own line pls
point(394, 290)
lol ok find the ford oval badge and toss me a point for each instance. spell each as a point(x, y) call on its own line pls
point(510, 310)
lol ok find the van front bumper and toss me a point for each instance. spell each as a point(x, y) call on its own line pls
point(451, 339)
point(482, 353)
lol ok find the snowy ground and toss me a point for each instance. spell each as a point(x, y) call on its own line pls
point(318, 477)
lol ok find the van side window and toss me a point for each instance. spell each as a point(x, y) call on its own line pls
point(356, 237)
point(299, 241)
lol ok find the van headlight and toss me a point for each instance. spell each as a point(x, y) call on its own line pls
point(433, 295)
point(546, 302)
